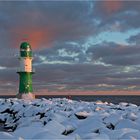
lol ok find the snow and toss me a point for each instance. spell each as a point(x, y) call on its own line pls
point(5, 135)
point(66, 119)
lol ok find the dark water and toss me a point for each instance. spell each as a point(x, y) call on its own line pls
point(105, 98)
point(113, 99)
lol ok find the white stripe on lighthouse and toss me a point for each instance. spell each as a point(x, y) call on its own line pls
point(25, 64)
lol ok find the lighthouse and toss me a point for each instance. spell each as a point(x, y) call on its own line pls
point(25, 72)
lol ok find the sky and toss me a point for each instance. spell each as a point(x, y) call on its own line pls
point(78, 46)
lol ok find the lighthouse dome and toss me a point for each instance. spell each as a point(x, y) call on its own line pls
point(25, 46)
point(25, 50)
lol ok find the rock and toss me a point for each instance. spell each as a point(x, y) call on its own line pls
point(110, 126)
point(68, 130)
point(82, 115)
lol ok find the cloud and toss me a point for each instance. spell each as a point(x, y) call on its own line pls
point(8, 75)
point(122, 15)
point(111, 6)
point(85, 77)
point(115, 54)
point(9, 62)
point(134, 39)
point(44, 23)
point(64, 52)
point(37, 37)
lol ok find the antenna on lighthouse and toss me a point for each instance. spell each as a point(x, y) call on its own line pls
point(25, 72)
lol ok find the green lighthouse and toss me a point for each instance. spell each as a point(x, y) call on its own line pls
point(25, 72)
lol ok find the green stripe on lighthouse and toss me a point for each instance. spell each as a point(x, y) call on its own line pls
point(25, 85)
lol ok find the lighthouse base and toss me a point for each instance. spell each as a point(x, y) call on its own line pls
point(27, 96)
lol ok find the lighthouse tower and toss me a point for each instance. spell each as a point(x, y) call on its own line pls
point(25, 72)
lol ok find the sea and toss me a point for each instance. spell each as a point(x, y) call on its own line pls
point(134, 99)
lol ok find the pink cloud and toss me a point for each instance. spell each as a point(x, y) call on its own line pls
point(111, 6)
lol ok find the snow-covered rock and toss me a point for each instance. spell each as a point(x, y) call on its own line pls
point(126, 123)
point(68, 120)
point(5, 135)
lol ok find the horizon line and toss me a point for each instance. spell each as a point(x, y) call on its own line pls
point(77, 92)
